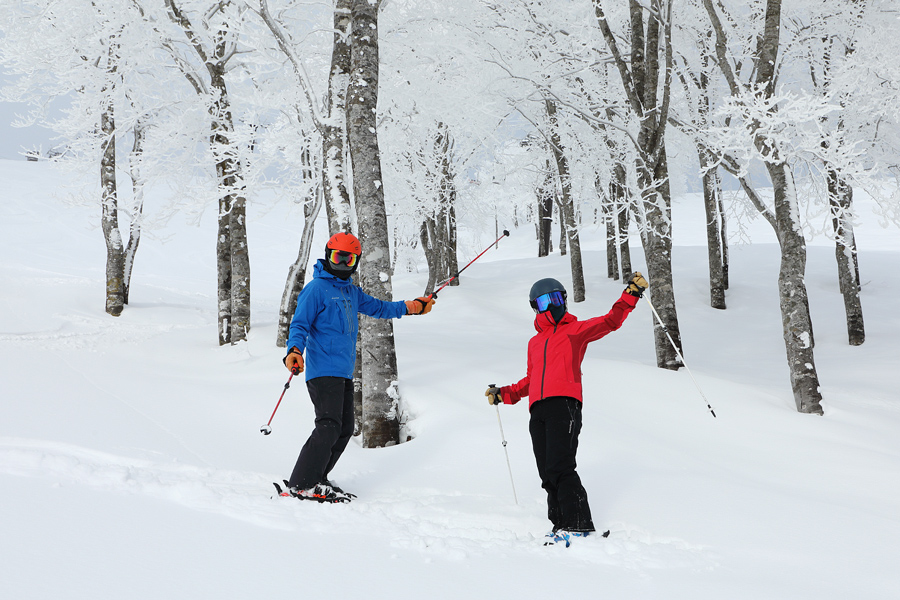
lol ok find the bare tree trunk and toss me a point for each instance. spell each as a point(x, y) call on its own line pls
point(240, 271)
point(657, 241)
point(453, 239)
point(381, 398)
point(566, 204)
point(644, 79)
point(797, 322)
point(723, 232)
point(440, 241)
point(545, 215)
point(115, 256)
point(427, 247)
point(233, 258)
point(840, 198)
point(618, 192)
point(447, 214)
point(137, 187)
point(296, 278)
point(334, 134)
point(798, 331)
point(223, 271)
point(563, 242)
point(715, 240)
point(840, 201)
point(232, 255)
point(610, 219)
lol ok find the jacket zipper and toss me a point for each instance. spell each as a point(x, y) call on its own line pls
point(345, 305)
point(544, 372)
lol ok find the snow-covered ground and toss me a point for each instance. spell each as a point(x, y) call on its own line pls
point(131, 463)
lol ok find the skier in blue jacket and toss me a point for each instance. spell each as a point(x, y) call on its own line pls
point(325, 326)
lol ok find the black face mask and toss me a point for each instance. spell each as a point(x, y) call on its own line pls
point(557, 312)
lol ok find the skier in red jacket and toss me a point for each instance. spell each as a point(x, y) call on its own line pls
point(553, 384)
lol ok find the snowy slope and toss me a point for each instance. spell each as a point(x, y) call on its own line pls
point(131, 462)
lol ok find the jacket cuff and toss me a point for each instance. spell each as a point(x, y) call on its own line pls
point(629, 299)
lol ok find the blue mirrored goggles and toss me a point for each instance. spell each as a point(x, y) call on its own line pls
point(543, 302)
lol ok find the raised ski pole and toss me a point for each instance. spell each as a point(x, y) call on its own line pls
point(677, 351)
point(505, 451)
point(449, 281)
point(267, 428)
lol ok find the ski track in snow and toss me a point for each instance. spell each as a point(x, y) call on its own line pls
point(438, 525)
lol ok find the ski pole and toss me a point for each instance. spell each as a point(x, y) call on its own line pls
point(449, 281)
point(267, 429)
point(505, 451)
point(677, 351)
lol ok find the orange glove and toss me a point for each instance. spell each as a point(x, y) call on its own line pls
point(294, 361)
point(419, 306)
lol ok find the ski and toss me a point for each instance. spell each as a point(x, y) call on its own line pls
point(322, 496)
point(566, 537)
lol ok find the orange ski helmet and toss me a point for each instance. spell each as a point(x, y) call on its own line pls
point(344, 242)
point(342, 254)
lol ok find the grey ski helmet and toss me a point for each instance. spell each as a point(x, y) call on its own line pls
point(545, 286)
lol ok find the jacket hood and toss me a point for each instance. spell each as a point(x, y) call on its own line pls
point(545, 320)
point(320, 272)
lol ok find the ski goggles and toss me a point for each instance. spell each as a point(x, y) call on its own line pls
point(544, 301)
point(338, 257)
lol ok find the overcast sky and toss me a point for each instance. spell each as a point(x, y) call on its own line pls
point(13, 139)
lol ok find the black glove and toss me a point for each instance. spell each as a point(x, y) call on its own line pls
point(637, 284)
point(493, 394)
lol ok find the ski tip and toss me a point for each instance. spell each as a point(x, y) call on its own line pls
point(605, 533)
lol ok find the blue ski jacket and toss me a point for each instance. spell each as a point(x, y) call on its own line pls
point(325, 323)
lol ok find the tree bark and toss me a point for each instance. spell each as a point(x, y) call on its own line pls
point(715, 239)
point(381, 398)
point(793, 299)
point(137, 187)
point(566, 204)
point(618, 193)
point(643, 79)
point(545, 214)
point(840, 198)
point(232, 253)
point(296, 278)
point(657, 242)
point(840, 201)
point(334, 134)
point(115, 256)
point(610, 219)
point(447, 202)
point(425, 237)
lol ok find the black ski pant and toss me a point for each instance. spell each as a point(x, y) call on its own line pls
point(554, 426)
point(332, 398)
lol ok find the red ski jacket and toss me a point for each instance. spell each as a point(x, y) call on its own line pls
point(556, 352)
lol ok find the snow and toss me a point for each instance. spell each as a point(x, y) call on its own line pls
point(131, 460)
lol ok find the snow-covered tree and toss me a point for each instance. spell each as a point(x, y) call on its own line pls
point(87, 55)
point(645, 69)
